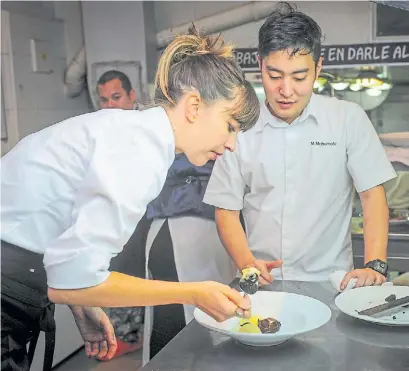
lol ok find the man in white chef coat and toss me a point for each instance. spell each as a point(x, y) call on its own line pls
point(293, 174)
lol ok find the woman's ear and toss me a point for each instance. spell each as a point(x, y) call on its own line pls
point(192, 104)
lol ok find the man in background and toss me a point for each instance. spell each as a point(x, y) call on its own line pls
point(115, 91)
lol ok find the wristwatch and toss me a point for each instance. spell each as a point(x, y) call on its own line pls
point(378, 266)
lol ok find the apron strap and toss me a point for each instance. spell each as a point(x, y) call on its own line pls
point(49, 350)
point(32, 347)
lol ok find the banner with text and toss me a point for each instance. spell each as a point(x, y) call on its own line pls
point(343, 55)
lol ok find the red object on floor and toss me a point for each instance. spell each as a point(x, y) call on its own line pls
point(124, 348)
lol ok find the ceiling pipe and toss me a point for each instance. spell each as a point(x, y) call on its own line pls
point(251, 12)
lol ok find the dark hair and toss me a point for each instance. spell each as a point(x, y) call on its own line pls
point(206, 64)
point(115, 74)
point(288, 29)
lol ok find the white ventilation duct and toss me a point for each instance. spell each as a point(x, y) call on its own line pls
point(75, 74)
point(251, 12)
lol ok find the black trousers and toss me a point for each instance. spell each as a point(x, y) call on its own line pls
point(25, 309)
point(168, 320)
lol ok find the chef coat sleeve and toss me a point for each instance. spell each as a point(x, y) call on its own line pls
point(126, 171)
point(226, 187)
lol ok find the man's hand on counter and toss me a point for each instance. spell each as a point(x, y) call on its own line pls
point(365, 277)
point(97, 332)
point(265, 267)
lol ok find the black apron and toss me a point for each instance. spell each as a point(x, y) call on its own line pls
point(168, 320)
point(25, 310)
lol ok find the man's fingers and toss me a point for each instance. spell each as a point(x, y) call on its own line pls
point(274, 264)
point(379, 280)
point(364, 277)
point(370, 281)
point(265, 267)
point(263, 282)
point(345, 281)
point(265, 277)
point(375, 280)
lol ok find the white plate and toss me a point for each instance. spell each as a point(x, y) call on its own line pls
point(353, 301)
point(297, 313)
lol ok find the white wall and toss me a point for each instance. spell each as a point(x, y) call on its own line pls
point(40, 99)
point(43, 9)
point(342, 22)
point(70, 13)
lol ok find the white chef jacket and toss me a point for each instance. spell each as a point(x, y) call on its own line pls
point(75, 191)
point(294, 184)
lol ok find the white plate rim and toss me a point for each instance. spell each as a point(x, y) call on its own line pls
point(379, 321)
point(325, 319)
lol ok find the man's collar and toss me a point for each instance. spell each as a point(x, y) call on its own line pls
point(267, 118)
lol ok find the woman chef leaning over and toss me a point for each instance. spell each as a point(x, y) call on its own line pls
point(73, 193)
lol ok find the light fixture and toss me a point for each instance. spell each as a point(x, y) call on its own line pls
point(320, 83)
point(385, 86)
point(370, 79)
point(356, 85)
point(318, 86)
point(371, 82)
point(372, 92)
point(322, 80)
point(366, 80)
point(340, 85)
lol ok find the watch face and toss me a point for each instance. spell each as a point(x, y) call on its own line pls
point(380, 266)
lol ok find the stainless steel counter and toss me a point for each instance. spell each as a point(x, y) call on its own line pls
point(343, 344)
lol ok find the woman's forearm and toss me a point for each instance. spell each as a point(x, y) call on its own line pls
point(120, 290)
